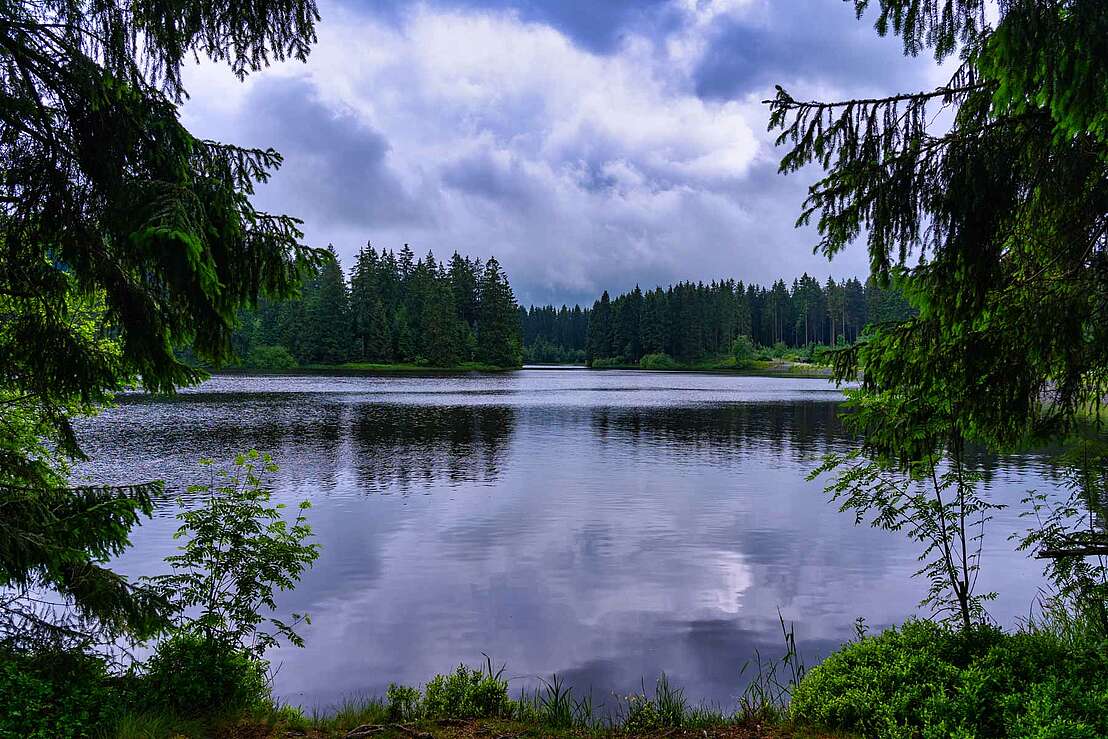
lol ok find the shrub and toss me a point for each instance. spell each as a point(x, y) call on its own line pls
point(926, 679)
point(270, 358)
point(239, 551)
point(402, 702)
point(742, 349)
point(606, 362)
point(466, 693)
point(191, 675)
point(54, 694)
point(659, 361)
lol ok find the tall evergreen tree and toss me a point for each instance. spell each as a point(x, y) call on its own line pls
point(123, 237)
point(328, 333)
point(1000, 207)
point(499, 339)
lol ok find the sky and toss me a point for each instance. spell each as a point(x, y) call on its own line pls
point(588, 144)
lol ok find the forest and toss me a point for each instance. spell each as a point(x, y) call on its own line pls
point(690, 321)
point(394, 309)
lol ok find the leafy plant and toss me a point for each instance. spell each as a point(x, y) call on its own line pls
point(467, 693)
point(192, 675)
point(930, 680)
point(239, 552)
point(935, 502)
point(403, 702)
point(742, 349)
point(54, 694)
point(268, 357)
point(1072, 533)
point(658, 361)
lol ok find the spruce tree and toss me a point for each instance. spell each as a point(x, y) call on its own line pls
point(124, 237)
point(328, 331)
point(363, 298)
point(499, 337)
point(994, 216)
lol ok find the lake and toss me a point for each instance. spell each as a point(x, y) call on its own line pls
point(604, 525)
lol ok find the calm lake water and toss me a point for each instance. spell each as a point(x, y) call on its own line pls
point(606, 526)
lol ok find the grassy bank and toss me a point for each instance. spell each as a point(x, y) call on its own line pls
point(919, 680)
point(476, 703)
point(728, 365)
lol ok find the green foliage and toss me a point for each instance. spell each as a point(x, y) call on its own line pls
point(772, 682)
point(403, 702)
point(48, 695)
point(696, 322)
point(657, 361)
point(124, 237)
point(1070, 533)
point(540, 351)
point(268, 357)
point(239, 551)
point(467, 693)
point(499, 338)
point(933, 499)
point(742, 349)
point(928, 680)
point(191, 675)
point(394, 310)
point(992, 217)
point(667, 709)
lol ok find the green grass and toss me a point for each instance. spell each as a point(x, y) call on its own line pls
point(725, 364)
point(465, 703)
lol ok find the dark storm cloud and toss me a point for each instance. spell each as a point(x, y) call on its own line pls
point(588, 145)
point(504, 182)
point(807, 41)
point(596, 25)
point(336, 166)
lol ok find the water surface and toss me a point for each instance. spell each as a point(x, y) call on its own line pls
point(606, 525)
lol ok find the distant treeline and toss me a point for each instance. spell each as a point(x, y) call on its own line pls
point(393, 309)
point(691, 321)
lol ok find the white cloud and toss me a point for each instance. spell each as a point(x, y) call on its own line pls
point(492, 135)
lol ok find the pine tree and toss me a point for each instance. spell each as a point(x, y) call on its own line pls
point(363, 297)
point(499, 338)
point(328, 331)
point(379, 342)
point(463, 285)
point(993, 216)
point(124, 237)
point(599, 344)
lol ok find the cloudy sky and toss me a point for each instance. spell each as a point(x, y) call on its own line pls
point(588, 144)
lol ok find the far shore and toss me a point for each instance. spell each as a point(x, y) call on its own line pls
point(755, 369)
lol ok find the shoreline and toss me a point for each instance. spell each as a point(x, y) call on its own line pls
point(760, 369)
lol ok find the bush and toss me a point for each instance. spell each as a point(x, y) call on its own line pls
point(928, 680)
point(606, 362)
point(193, 676)
point(402, 702)
point(56, 694)
point(658, 361)
point(466, 693)
point(270, 358)
point(238, 552)
point(742, 349)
